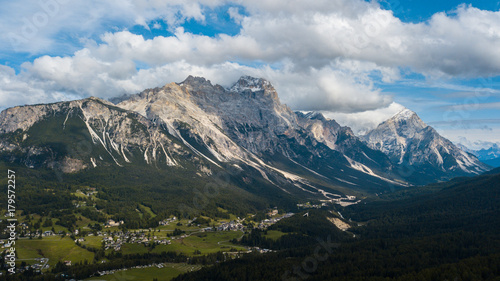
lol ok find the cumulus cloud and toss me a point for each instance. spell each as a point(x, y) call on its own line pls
point(17, 90)
point(476, 145)
point(46, 25)
point(109, 69)
point(326, 89)
point(362, 122)
point(234, 14)
point(309, 34)
point(476, 137)
point(461, 44)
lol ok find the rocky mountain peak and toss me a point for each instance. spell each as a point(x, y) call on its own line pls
point(405, 123)
point(252, 85)
point(99, 100)
point(196, 81)
point(314, 115)
point(407, 116)
point(404, 114)
point(406, 139)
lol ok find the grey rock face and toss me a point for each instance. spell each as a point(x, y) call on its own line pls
point(115, 134)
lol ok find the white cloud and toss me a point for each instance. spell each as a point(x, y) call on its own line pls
point(362, 122)
point(16, 90)
point(109, 69)
point(326, 89)
point(310, 34)
point(84, 75)
point(476, 138)
point(462, 44)
point(47, 25)
point(476, 145)
point(234, 14)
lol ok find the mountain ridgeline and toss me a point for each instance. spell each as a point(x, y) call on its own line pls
point(201, 129)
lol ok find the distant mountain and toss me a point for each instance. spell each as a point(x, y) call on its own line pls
point(408, 141)
point(489, 156)
point(465, 148)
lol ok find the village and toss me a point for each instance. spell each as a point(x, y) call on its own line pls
point(113, 238)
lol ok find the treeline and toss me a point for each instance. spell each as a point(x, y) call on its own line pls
point(256, 238)
point(121, 191)
point(282, 267)
point(302, 229)
point(116, 260)
point(469, 205)
point(85, 270)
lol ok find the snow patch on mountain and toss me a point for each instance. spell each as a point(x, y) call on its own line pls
point(250, 83)
point(404, 114)
point(363, 168)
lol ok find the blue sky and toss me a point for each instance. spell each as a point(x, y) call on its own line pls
point(357, 61)
point(422, 10)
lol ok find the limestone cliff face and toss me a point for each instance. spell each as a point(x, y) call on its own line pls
point(229, 122)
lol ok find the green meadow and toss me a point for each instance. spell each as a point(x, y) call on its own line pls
point(166, 273)
point(54, 248)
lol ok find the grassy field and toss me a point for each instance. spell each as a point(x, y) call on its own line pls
point(56, 227)
point(170, 271)
point(84, 222)
point(134, 249)
point(209, 242)
point(55, 248)
point(205, 242)
point(274, 234)
point(81, 223)
point(92, 241)
point(79, 194)
point(148, 210)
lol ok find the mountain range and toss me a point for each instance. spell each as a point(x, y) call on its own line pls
point(489, 156)
point(203, 128)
